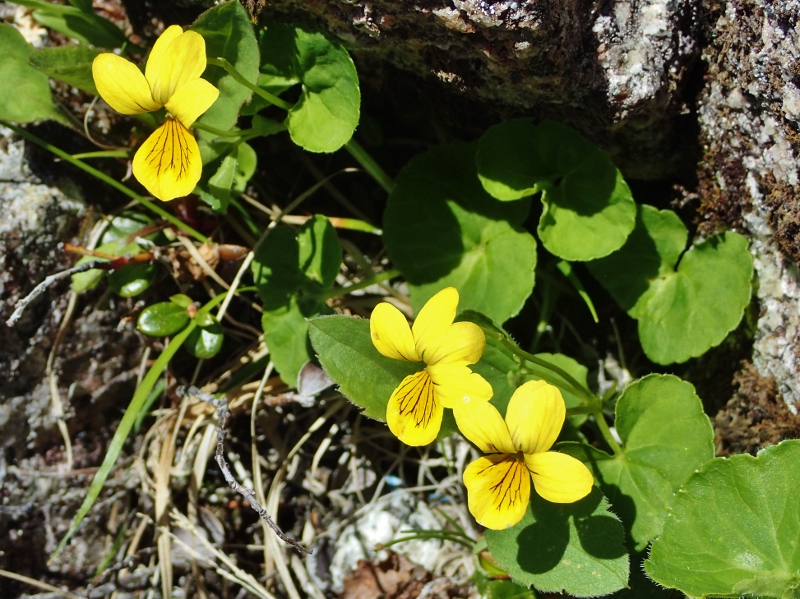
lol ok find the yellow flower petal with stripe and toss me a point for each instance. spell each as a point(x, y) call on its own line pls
point(391, 334)
point(191, 100)
point(535, 416)
point(121, 84)
point(558, 477)
point(169, 164)
point(499, 489)
point(182, 60)
point(413, 414)
point(481, 423)
point(414, 411)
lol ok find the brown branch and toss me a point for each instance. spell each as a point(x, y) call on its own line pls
point(221, 405)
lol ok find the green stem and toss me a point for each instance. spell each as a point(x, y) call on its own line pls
point(369, 165)
point(102, 154)
point(591, 398)
point(606, 431)
point(378, 278)
point(231, 70)
point(107, 180)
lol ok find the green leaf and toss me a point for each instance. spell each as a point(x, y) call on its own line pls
point(25, 93)
point(588, 208)
point(133, 279)
point(665, 436)
point(326, 115)
point(162, 319)
point(85, 26)
point(114, 241)
point(70, 64)
point(684, 304)
point(575, 548)
point(345, 350)
point(246, 162)
point(228, 33)
point(292, 272)
point(734, 528)
point(205, 342)
point(220, 183)
point(441, 228)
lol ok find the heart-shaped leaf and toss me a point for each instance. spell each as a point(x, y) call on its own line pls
point(734, 529)
point(666, 436)
point(442, 229)
point(573, 548)
point(588, 208)
point(325, 116)
point(684, 304)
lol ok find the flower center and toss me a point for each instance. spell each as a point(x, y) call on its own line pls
point(509, 474)
point(417, 398)
point(170, 151)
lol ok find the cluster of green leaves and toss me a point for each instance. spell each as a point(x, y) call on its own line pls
point(456, 217)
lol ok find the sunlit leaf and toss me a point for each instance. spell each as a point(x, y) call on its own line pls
point(442, 229)
point(734, 529)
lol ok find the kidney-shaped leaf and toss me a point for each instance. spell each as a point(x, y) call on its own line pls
point(574, 548)
point(325, 116)
point(685, 310)
point(442, 229)
point(665, 436)
point(588, 208)
point(734, 528)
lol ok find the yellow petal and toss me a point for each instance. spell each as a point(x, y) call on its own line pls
point(499, 489)
point(413, 414)
point(460, 342)
point(169, 164)
point(456, 383)
point(122, 85)
point(191, 100)
point(171, 65)
point(481, 423)
point(391, 334)
point(535, 416)
point(433, 321)
point(559, 478)
point(156, 56)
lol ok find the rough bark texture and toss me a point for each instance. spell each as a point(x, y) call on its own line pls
point(749, 112)
point(663, 86)
point(616, 71)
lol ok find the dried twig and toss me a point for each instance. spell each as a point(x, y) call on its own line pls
point(221, 405)
point(48, 281)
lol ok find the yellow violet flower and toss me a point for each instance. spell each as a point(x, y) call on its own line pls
point(415, 409)
point(168, 164)
point(499, 484)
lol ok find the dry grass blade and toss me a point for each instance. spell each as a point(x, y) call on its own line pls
point(39, 585)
